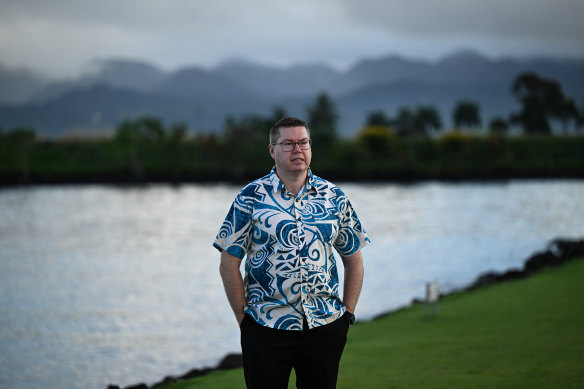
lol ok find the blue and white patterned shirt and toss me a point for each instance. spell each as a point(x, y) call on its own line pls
point(290, 271)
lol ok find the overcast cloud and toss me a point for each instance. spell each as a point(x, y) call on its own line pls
point(62, 37)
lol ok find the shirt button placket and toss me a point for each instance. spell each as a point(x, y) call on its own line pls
point(300, 229)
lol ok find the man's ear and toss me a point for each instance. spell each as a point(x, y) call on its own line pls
point(271, 148)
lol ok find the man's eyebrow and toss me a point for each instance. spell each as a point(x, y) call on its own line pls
point(292, 140)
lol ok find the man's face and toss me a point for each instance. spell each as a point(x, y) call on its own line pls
point(293, 161)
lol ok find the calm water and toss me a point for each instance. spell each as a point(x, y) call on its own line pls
point(104, 285)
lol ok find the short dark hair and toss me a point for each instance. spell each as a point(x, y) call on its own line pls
point(286, 122)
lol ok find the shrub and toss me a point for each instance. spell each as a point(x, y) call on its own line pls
point(377, 139)
point(453, 140)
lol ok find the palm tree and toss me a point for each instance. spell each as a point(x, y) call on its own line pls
point(322, 120)
point(566, 111)
point(405, 121)
point(498, 126)
point(377, 119)
point(466, 114)
point(427, 118)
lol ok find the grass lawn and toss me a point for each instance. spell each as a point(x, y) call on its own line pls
point(521, 334)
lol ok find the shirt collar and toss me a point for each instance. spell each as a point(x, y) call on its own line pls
point(278, 185)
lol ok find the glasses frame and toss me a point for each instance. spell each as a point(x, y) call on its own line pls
point(294, 145)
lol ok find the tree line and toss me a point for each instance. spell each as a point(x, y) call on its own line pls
point(542, 101)
point(410, 145)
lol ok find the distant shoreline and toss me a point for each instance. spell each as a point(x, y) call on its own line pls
point(452, 157)
point(405, 177)
point(558, 251)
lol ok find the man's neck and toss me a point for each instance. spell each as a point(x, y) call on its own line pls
point(293, 182)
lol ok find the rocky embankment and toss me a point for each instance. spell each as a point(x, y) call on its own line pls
point(231, 361)
point(558, 251)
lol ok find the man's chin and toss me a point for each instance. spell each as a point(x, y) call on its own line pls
point(299, 168)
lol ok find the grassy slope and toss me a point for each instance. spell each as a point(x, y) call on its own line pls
point(521, 334)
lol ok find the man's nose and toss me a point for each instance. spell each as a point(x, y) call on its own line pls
point(295, 146)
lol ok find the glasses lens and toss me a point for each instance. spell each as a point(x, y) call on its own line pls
point(303, 145)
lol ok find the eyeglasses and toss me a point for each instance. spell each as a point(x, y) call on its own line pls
point(304, 144)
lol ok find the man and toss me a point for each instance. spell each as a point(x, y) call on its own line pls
point(288, 308)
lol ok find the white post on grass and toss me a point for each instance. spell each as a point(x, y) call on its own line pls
point(432, 295)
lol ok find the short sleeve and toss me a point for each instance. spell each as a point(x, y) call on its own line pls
point(234, 236)
point(352, 235)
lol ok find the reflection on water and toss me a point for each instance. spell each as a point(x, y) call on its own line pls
point(120, 285)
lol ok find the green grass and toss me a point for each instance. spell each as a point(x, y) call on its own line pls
point(521, 334)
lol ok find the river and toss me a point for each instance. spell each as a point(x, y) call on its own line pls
point(118, 285)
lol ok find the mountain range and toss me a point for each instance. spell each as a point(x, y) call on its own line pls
point(202, 98)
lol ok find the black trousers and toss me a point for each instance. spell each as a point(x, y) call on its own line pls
point(269, 355)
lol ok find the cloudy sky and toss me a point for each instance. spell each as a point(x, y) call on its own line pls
point(63, 37)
